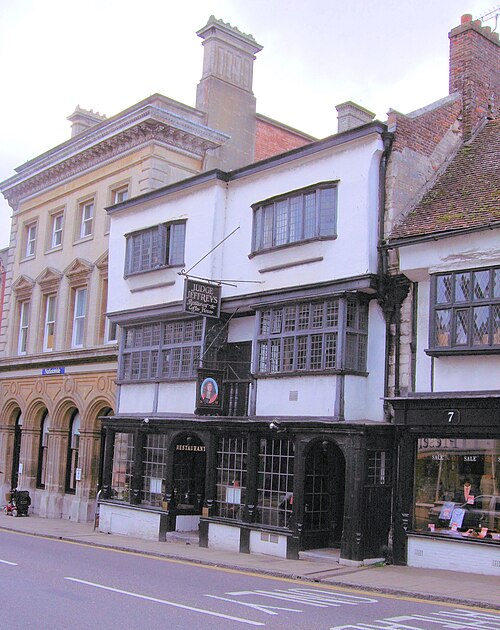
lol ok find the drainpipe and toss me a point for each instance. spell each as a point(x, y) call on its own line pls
point(388, 139)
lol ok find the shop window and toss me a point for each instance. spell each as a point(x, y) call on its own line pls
point(231, 476)
point(73, 449)
point(306, 214)
point(465, 311)
point(123, 461)
point(155, 248)
point(275, 482)
point(457, 487)
point(43, 451)
point(304, 337)
point(161, 351)
point(154, 469)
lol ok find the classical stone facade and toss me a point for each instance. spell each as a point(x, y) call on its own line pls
point(57, 349)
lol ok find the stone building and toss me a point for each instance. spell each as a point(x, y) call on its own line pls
point(58, 349)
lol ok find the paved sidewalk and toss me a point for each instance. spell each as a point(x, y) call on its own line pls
point(451, 586)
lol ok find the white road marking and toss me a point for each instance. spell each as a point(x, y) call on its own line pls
point(457, 619)
point(269, 610)
point(12, 564)
point(310, 597)
point(163, 601)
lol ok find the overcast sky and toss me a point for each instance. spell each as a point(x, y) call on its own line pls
point(107, 55)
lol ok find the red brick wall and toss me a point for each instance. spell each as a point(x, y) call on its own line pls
point(272, 139)
point(425, 132)
point(475, 71)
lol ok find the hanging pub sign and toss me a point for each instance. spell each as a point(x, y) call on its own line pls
point(202, 298)
point(209, 392)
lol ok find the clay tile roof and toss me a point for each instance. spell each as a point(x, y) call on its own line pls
point(465, 196)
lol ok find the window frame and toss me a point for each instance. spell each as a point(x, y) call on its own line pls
point(50, 298)
point(169, 254)
point(86, 221)
point(444, 339)
point(30, 240)
point(55, 216)
point(22, 339)
point(275, 218)
point(43, 451)
point(164, 360)
point(79, 318)
point(310, 336)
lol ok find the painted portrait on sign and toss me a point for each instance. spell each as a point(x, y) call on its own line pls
point(209, 391)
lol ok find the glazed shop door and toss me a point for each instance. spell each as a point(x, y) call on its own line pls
point(189, 475)
point(323, 496)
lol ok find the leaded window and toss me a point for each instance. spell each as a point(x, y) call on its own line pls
point(379, 468)
point(154, 469)
point(465, 310)
point(123, 461)
point(154, 248)
point(275, 482)
point(304, 336)
point(305, 214)
point(161, 350)
point(231, 476)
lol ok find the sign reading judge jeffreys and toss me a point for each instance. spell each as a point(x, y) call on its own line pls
point(202, 298)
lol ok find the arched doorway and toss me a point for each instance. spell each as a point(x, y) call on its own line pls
point(188, 480)
point(16, 451)
point(324, 491)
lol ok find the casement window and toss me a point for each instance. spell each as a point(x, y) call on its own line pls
point(30, 236)
point(231, 476)
point(313, 336)
point(57, 230)
point(154, 469)
point(50, 323)
point(86, 213)
point(123, 462)
point(73, 448)
point(306, 214)
point(465, 310)
point(275, 482)
point(24, 313)
point(155, 248)
point(161, 350)
point(79, 315)
point(43, 451)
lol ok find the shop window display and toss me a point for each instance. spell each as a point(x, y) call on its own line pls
point(457, 488)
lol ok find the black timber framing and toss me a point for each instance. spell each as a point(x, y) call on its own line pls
point(365, 527)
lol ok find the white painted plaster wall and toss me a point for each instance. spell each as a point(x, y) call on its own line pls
point(363, 394)
point(451, 555)
point(257, 545)
point(137, 398)
point(223, 537)
point(316, 396)
point(454, 374)
point(118, 519)
point(177, 397)
point(241, 329)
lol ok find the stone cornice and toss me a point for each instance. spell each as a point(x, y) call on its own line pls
point(140, 125)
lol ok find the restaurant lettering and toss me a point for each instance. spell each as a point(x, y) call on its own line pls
point(189, 447)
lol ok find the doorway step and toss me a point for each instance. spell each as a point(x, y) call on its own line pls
point(186, 538)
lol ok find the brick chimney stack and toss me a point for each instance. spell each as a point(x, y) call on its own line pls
point(225, 90)
point(475, 72)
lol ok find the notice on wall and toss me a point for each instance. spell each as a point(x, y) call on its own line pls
point(202, 298)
